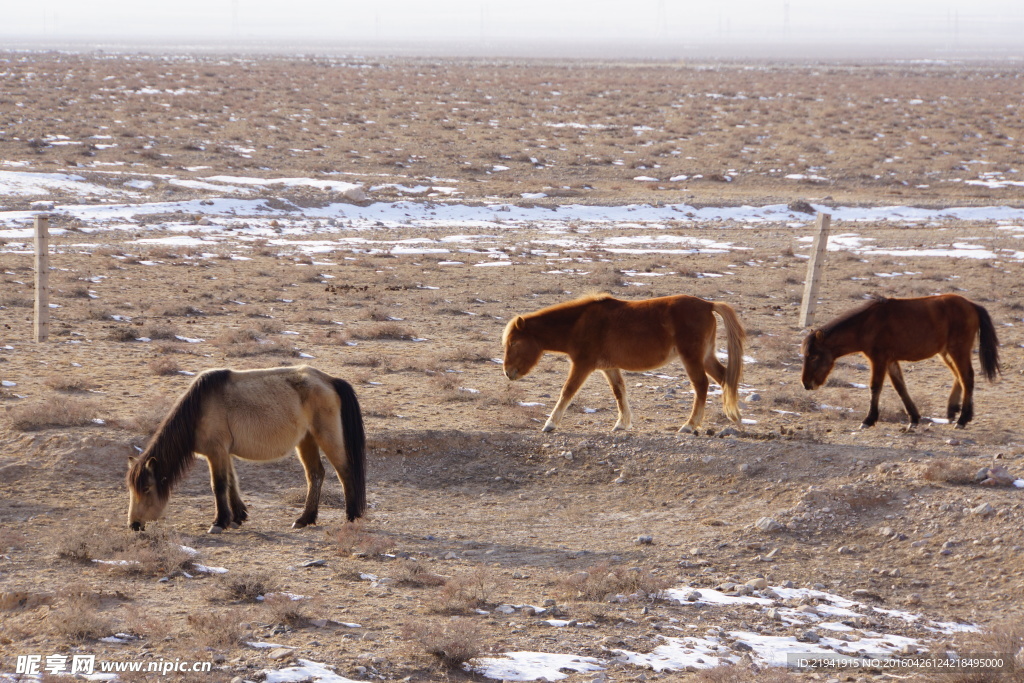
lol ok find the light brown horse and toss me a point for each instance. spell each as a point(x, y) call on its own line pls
point(890, 330)
point(254, 415)
point(610, 335)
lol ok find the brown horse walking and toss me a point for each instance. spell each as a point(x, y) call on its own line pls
point(610, 335)
point(254, 415)
point(890, 330)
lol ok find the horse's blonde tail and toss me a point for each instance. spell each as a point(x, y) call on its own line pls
point(734, 368)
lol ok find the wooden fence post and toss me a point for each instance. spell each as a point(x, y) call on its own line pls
point(42, 320)
point(814, 267)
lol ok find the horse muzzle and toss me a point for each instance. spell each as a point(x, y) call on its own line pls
point(137, 526)
point(512, 374)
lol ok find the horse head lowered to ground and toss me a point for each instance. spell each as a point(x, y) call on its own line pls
point(888, 331)
point(254, 415)
point(608, 334)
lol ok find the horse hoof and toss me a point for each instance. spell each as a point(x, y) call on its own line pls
point(235, 525)
point(959, 426)
point(865, 425)
point(298, 525)
point(216, 529)
point(548, 428)
point(686, 429)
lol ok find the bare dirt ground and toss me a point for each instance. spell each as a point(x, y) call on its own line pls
point(471, 506)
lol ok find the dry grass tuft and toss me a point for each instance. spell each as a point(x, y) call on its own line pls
point(742, 674)
point(950, 471)
point(216, 629)
point(149, 553)
point(68, 384)
point(467, 592)
point(77, 616)
point(247, 586)
point(605, 581)
point(164, 366)
point(288, 610)
point(1003, 640)
point(452, 642)
point(60, 411)
point(412, 573)
point(351, 539)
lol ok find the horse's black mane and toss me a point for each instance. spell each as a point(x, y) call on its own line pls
point(849, 316)
point(170, 452)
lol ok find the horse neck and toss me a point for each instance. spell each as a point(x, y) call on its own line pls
point(844, 339)
point(555, 327)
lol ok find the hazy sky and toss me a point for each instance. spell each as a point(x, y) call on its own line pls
point(945, 24)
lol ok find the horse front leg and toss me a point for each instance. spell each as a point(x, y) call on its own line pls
point(239, 512)
point(220, 482)
point(577, 376)
point(896, 376)
point(309, 455)
point(877, 378)
point(618, 385)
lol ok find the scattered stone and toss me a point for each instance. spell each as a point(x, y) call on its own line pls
point(280, 653)
point(758, 584)
point(808, 637)
point(729, 431)
point(505, 609)
point(845, 550)
point(886, 531)
point(767, 525)
point(983, 510)
point(314, 563)
point(693, 596)
point(644, 540)
point(864, 594)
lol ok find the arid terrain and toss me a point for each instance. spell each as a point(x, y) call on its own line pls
point(383, 220)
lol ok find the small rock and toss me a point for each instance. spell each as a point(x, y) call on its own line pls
point(644, 540)
point(767, 524)
point(693, 596)
point(280, 653)
point(729, 431)
point(505, 609)
point(758, 584)
point(808, 637)
point(754, 397)
point(983, 510)
point(314, 563)
point(886, 531)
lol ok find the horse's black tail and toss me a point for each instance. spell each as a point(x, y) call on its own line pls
point(988, 349)
point(355, 449)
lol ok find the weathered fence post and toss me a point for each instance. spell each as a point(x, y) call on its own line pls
point(42, 320)
point(810, 300)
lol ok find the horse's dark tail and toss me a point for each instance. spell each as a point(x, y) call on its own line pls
point(355, 449)
point(170, 452)
point(988, 349)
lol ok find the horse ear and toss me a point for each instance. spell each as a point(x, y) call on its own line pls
point(519, 323)
point(819, 336)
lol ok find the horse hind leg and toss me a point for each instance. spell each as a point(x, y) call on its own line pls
point(309, 455)
point(896, 376)
point(965, 373)
point(699, 380)
point(618, 385)
point(953, 405)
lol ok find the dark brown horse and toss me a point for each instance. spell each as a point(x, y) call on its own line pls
point(890, 330)
point(254, 415)
point(610, 335)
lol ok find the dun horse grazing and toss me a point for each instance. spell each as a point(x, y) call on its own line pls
point(254, 415)
point(610, 335)
point(890, 330)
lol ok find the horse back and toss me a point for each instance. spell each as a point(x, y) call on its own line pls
point(263, 414)
point(642, 334)
point(918, 328)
